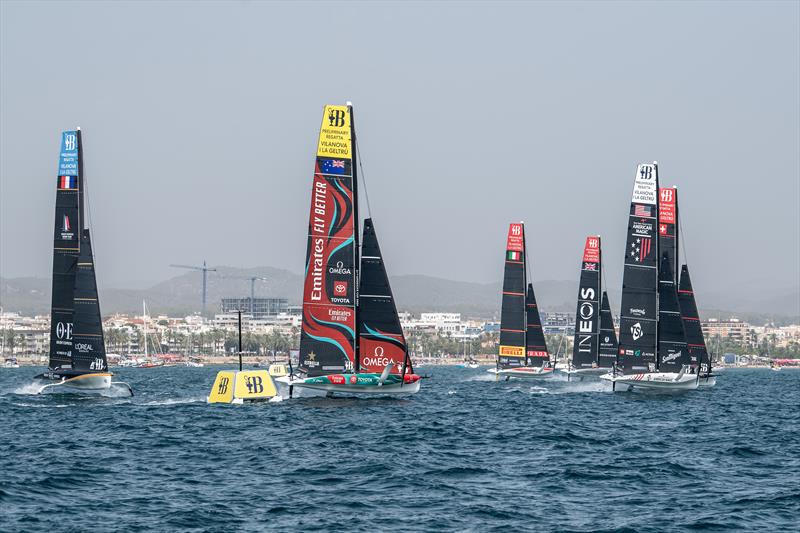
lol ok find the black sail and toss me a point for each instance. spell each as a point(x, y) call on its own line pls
point(536, 346)
point(639, 313)
point(511, 352)
point(88, 345)
point(66, 248)
point(608, 337)
point(587, 317)
point(672, 349)
point(695, 340)
point(381, 340)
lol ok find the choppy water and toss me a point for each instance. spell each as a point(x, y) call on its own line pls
point(465, 454)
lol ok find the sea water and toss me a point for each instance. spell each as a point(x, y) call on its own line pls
point(464, 454)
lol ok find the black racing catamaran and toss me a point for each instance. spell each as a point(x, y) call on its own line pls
point(586, 358)
point(351, 339)
point(523, 351)
point(77, 347)
point(652, 346)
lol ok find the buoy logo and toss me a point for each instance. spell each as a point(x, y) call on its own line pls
point(222, 388)
point(255, 385)
point(336, 118)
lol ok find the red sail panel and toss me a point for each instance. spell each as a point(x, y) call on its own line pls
point(327, 341)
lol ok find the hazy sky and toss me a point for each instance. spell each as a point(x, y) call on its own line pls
point(200, 123)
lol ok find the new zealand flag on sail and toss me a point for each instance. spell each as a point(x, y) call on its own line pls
point(332, 166)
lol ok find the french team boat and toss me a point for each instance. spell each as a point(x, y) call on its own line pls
point(594, 348)
point(77, 348)
point(652, 350)
point(351, 339)
point(523, 351)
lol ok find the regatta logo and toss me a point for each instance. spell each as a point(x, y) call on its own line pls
point(667, 195)
point(336, 118)
point(339, 269)
point(378, 358)
point(97, 364)
point(222, 388)
point(340, 288)
point(254, 384)
point(671, 357)
point(636, 331)
point(516, 230)
point(592, 243)
point(645, 172)
point(64, 331)
point(70, 141)
point(83, 347)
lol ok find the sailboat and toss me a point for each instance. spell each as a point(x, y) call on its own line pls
point(77, 347)
point(351, 340)
point(523, 351)
point(652, 349)
point(586, 342)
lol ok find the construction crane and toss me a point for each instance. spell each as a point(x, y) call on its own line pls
point(205, 271)
point(252, 280)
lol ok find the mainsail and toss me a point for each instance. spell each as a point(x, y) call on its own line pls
point(639, 314)
point(608, 337)
point(691, 322)
point(381, 340)
point(535, 344)
point(328, 336)
point(587, 317)
point(88, 345)
point(668, 226)
point(66, 248)
point(512, 313)
point(672, 350)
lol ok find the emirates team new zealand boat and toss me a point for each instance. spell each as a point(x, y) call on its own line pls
point(594, 349)
point(523, 351)
point(652, 352)
point(77, 348)
point(351, 340)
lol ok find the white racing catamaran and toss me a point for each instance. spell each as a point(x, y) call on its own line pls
point(523, 351)
point(653, 352)
point(351, 339)
point(77, 347)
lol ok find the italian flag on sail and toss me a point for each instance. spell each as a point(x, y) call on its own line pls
point(514, 256)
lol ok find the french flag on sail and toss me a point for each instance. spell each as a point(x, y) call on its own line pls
point(67, 182)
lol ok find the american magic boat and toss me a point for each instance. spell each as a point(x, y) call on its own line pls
point(77, 348)
point(351, 340)
point(523, 351)
point(594, 348)
point(652, 352)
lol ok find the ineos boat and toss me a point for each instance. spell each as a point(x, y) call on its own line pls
point(523, 351)
point(351, 340)
point(77, 347)
point(652, 348)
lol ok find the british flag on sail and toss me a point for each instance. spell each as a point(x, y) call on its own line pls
point(640, 249)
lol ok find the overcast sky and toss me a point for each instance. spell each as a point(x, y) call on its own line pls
point(200, 123)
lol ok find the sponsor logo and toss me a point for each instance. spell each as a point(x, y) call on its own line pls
point(254, 384)
point(671, 357)
point(83, 347)
point(636, 312)
point(353, 380)
point(222, 388)
point(70, 141)
point(340, 288)
point(640, 249)
point(336, 379)
point(636, 331)
point(64, 331)
point(644, 188)
point(336, 118)
point(339, 269)
point(311, 360)
point(66, 229)
point(516, 230)
point(514, 242)
point(97, 364)
point(318, 210)
point(377, 358)
point(512, 351)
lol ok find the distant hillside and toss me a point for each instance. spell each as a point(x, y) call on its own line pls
point(416, 293)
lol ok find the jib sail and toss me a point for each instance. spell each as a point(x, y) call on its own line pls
point(587, 317)
point(66, 248)
point(535, 344)
point(381, 340)
point(695, 340)
point(88, 345)
point(608, 337)
point(328, 335)
point(639, 314)
point(668, 226)
point(672, 350)
point(512, 347)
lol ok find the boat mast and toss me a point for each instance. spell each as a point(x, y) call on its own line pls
point(658, 260)
point(144, 323)
point(356, 240)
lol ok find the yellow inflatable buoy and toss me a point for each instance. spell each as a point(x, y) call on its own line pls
point(237, 387)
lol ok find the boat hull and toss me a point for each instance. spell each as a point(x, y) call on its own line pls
point(655, 380)
point(356, 383)
point(523, 372)
point(94, 382)
point(707, 381)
